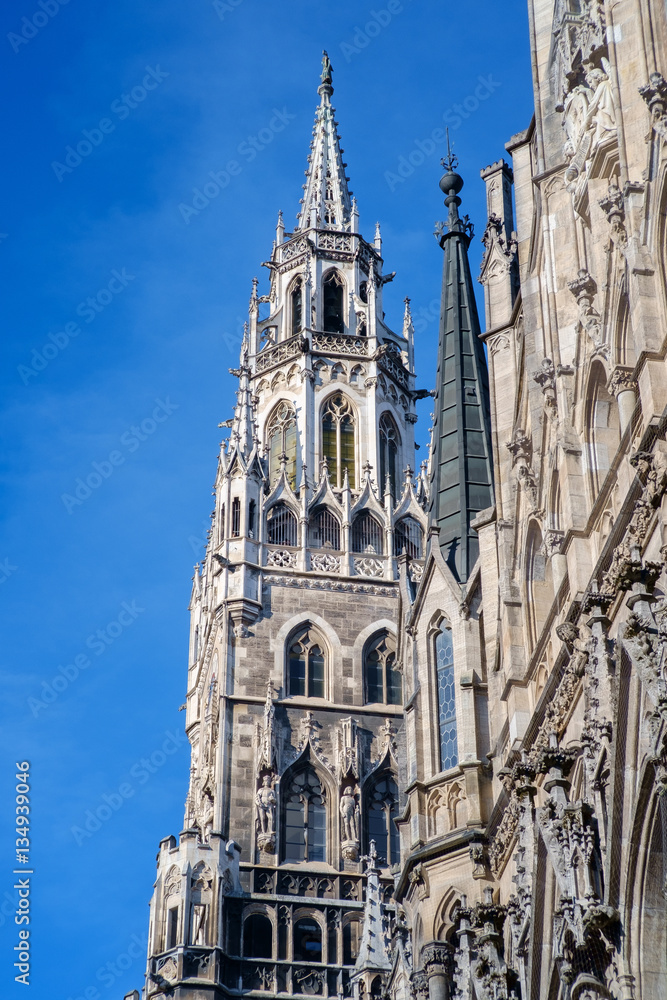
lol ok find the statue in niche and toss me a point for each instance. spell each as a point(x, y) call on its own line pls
point(266, 814)
point(349, 817)
point(601, 116)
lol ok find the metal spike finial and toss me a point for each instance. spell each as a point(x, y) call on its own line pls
point(451, 161)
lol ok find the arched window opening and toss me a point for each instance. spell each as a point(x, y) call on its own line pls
point(389, 444)
point(281, 440)
point(195, 650)
point(444, 663)
point(306, 667)
point(223, 526)
point(332, 303)
point(305, 819)
point(251, 519)
point(257, 937)
point(383, 680)
point(539, 583)
point(363, 291)
point(324, 530)
point(408, 537)
point(382, 811)
point(351, 940)
point(338, 439)
point(296, 301)
point(236, 517)
point(367, 534)
point(307, 940)
point(281, 525)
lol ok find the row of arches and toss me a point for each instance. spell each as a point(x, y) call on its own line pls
point(338, 425)
point(367, 535)
point(334, 293)
point(307, 941)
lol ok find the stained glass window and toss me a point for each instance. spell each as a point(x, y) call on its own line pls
point(281, 439)
point(383, 680)
point(338, 447)
point(382, 811)
point(444, 657)
point(306, 667)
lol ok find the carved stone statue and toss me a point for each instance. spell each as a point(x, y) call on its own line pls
point(266, 814)
point(601, 116)
point(349, 814)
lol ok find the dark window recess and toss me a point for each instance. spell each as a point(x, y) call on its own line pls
point(297, 309)
point(383, 680)
point(251, 519)
point(332, 302)
point(367, 534)
point(306, 667)
point(307, 941)
point(223, 526)
point(305, 821)
point(324, 530)
point(351, 938)
point(257, 937)
point(236, 517)
point(389, 443)
point(363, 291)
point(281, 525)
point(382, 811)
point(408, 535)
point(172, 928)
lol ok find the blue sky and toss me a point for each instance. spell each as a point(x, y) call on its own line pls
point(123, 313)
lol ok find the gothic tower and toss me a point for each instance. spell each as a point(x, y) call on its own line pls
point(294, 696)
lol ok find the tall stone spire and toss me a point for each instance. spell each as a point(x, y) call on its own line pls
point(373, 956)
point(326, 203)
point(461, 472)
point(243, 424)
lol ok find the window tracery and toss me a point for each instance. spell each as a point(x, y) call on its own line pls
point(444, 662)
point(304, 819)
point(281, 440)
point(338, 445)
point(306, 666)
point(332, 303)
point(389, 444)
point(382, 679)
point(382, 810)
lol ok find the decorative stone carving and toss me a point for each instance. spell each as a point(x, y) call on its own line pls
point(499, 255)
point(621, 380)
point(553, 542)
point(325, 563)
point(584, 290)
point(545, 377)
point(419, 879)
point(281, 558)
point(613, 207)
point(368, 567)
point(655, 94)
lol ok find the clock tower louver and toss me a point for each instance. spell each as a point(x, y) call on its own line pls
point(294, 694)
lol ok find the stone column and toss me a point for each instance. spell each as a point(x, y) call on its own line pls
point(623, 386)
point(436, 958)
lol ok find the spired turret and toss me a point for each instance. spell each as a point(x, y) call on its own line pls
point(294, 701)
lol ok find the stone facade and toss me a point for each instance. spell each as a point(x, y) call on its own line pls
point(536, 866)
point(348, 678)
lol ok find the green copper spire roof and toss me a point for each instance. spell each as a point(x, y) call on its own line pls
point(461, 466)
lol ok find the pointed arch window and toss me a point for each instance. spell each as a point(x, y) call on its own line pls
point(408, 536)
point(236, 517)
point(382, 679)
point(324, 529)
point(281, 526)
point(305, 820)
point(332, 303)
point(306, 665)
point(307, 940)
point(367, 534)
point(338, 439)
point(389, 445)
point(281, 440)
point(296, 304)
point(444, 664)
point(382, 811)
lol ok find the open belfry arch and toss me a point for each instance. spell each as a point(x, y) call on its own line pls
point(428, 714)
